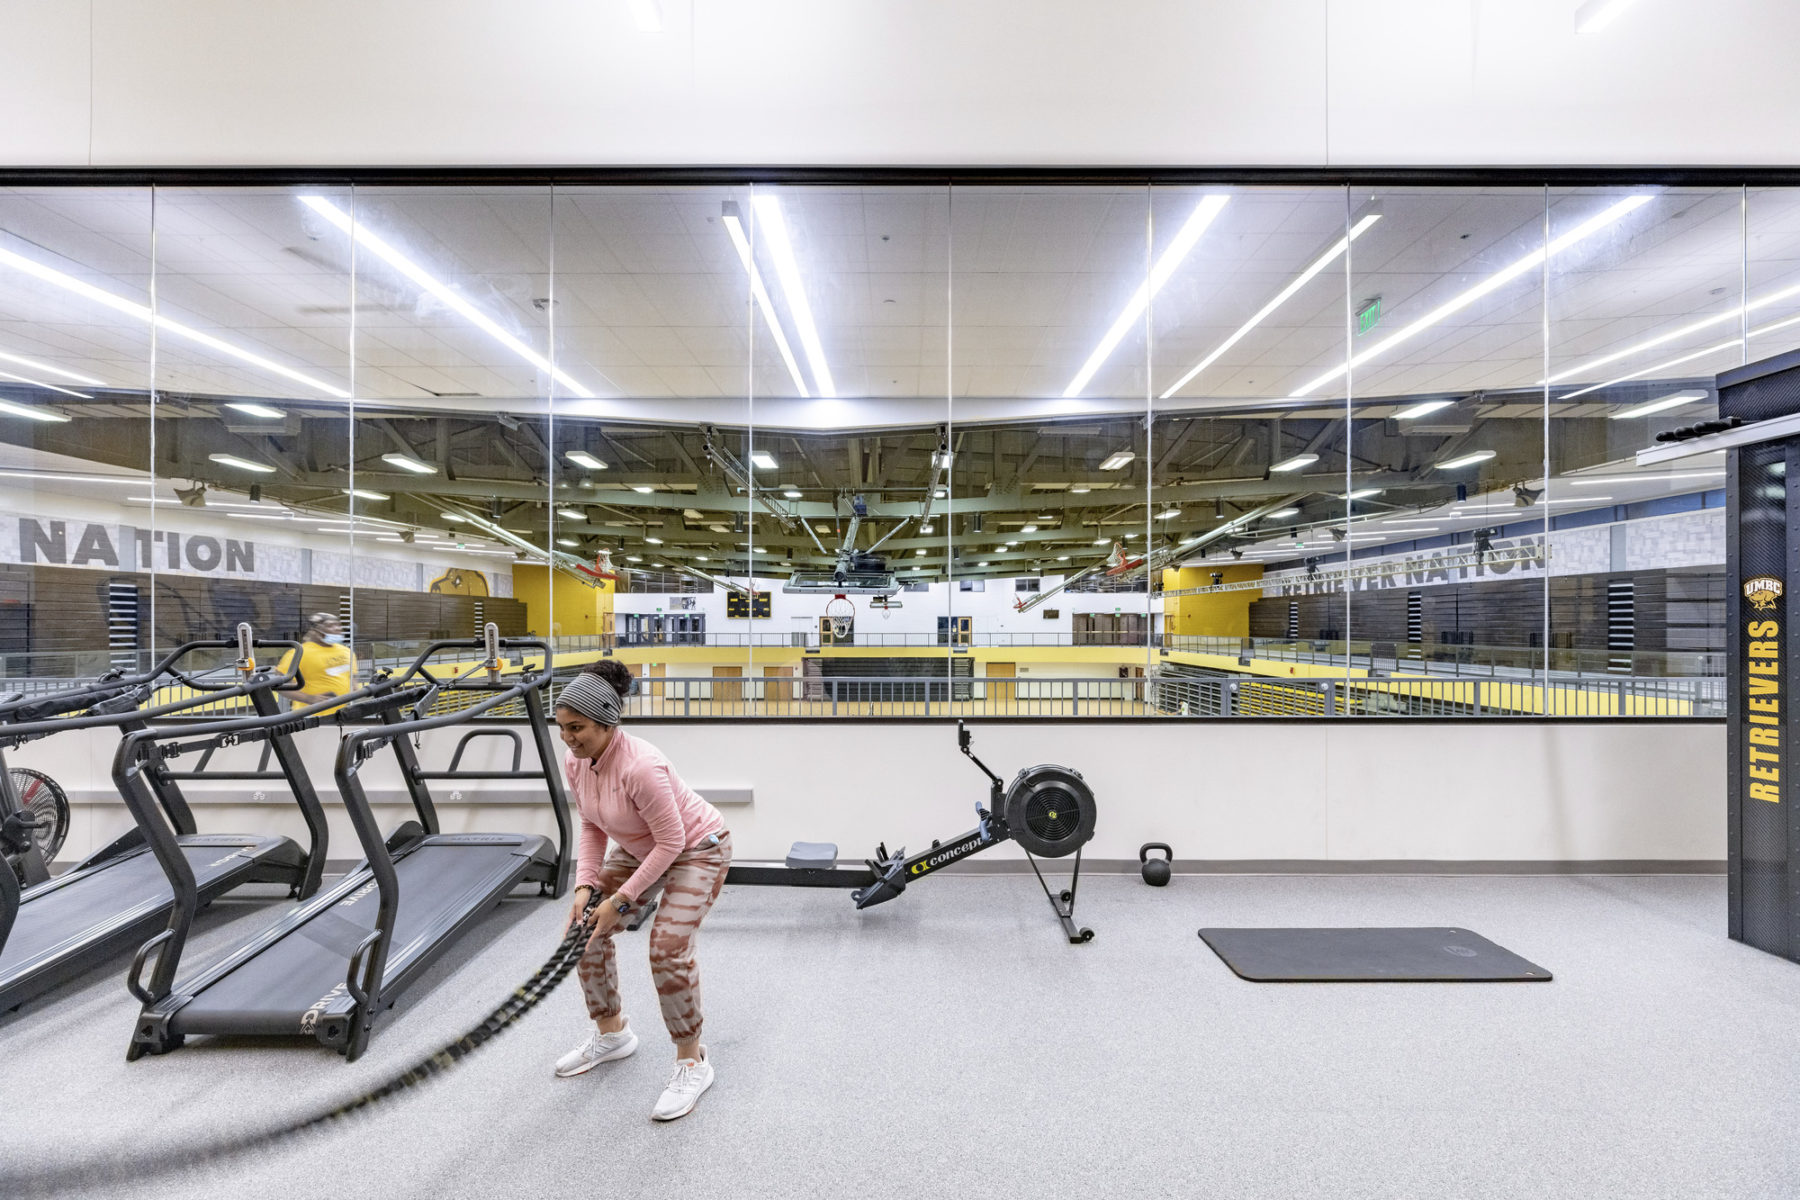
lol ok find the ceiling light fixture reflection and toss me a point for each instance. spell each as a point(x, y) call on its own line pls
point(360, 494)
point(260, 411)
point(1295, 463)
point(1492, 283)
point(773, 227)
point(48, 415)
point(1673, 400)
point(407, 462)
point(1596, 15)
point(44, 368)
point(1464, 460)
point(1282, 297)
point(642, 489)
point(242, 464)
point(762, 459)
point(1117, 459)
point(142, 313)
point(1362, 493)
point(378, 246)
point(734, 226)
point(571, 514)
point(40, 383)
point(454, 518)
point(582, 458)
point(1718, 318)
point(1190, 232)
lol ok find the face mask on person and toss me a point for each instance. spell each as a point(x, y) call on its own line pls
point(334, 639)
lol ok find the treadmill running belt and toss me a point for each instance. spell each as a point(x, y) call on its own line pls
point(443, 882)
point(60, 921)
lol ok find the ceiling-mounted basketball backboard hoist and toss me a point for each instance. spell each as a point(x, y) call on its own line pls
point(1119, 565)
point(865, 572)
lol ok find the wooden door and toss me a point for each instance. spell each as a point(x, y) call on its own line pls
point(1001, 695)
point(727, 692)
point(780, 689)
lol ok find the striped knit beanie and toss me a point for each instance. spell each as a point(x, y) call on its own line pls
point(591, 696)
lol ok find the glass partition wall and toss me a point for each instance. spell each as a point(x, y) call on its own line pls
point(1118, 449)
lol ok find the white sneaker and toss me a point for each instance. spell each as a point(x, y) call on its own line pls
point(598, 1048)
point(687, 1083)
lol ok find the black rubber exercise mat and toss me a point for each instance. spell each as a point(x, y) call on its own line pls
point(1432, 954)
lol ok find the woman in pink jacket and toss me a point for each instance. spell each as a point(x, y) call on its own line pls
point(659, 828)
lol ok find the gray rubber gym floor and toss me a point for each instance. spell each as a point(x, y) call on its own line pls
point(951, 1043)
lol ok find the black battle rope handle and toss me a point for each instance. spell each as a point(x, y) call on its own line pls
point(96, 1171)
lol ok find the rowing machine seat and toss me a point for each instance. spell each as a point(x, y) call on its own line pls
point(812, 856)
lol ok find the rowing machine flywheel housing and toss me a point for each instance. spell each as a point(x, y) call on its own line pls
point(1049, 810)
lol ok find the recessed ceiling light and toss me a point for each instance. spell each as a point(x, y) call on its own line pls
point(1282, 297)
point(261, 411)
point(44, 368)
point(362, 235)
point(762, 459)
point(242, 464)
point(1673, 400)
point(1465, 460)
point(142, 313)
point(1117, 459)
point(360, 494)
point(773, 227)
point(1295, 463)
point(734, 226)
point(1491, 284)
point(918, 552)
point(582, 458)
point(32, 414)
point(1421, 409)
point(407, 462)
point(1166, 263)
point(571, 514)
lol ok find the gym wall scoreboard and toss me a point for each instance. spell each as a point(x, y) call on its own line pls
point(754, 607)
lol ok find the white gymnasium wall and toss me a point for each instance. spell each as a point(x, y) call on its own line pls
point(1029, 82)
point(1239, 791)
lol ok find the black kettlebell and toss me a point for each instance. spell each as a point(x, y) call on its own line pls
point(1156, 871)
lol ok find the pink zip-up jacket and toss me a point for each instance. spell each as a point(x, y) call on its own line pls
point(631, 793)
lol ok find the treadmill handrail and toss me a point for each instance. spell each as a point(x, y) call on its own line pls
point(379, 860)
point(104, 688)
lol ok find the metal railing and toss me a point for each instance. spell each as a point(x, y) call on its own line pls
point(1459, 660)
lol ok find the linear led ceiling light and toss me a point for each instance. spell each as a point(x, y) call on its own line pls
point(1596, 15)
point(34, 414)
point(51, 386)
point(1117, 459)
point(1422, 409)
point(763, 459)
point(1177, 250)
point(1295, 463)
point(44, 368)
point(1279, 513)
point(407, 462)
point(1673, 400)
point(131, 308)
point(1715, 348)
point(1491, 284)
point(775, 235)
point(379, 247)
point(582, 458)
point(262, 411)
point(242, 464)
point(1464, 460)
point(1718, 318)
point(1282, 297)
point(360, 494)
point(570, 514)
point(734, 225)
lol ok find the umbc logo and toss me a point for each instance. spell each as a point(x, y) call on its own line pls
point(1762, 592)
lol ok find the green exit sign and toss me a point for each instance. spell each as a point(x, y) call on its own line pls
point(1368, 315)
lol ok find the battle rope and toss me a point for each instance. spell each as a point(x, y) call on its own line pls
point(525, 997)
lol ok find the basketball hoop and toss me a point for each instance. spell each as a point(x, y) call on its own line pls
point(885, 605)
point(842, 615)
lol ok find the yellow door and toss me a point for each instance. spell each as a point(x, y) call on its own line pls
point(779, 692)
point(1001, 695)
point(727, 692)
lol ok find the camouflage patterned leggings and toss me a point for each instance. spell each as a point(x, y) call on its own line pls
point(691, 885)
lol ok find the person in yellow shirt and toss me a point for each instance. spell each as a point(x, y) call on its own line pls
point(327, 665)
